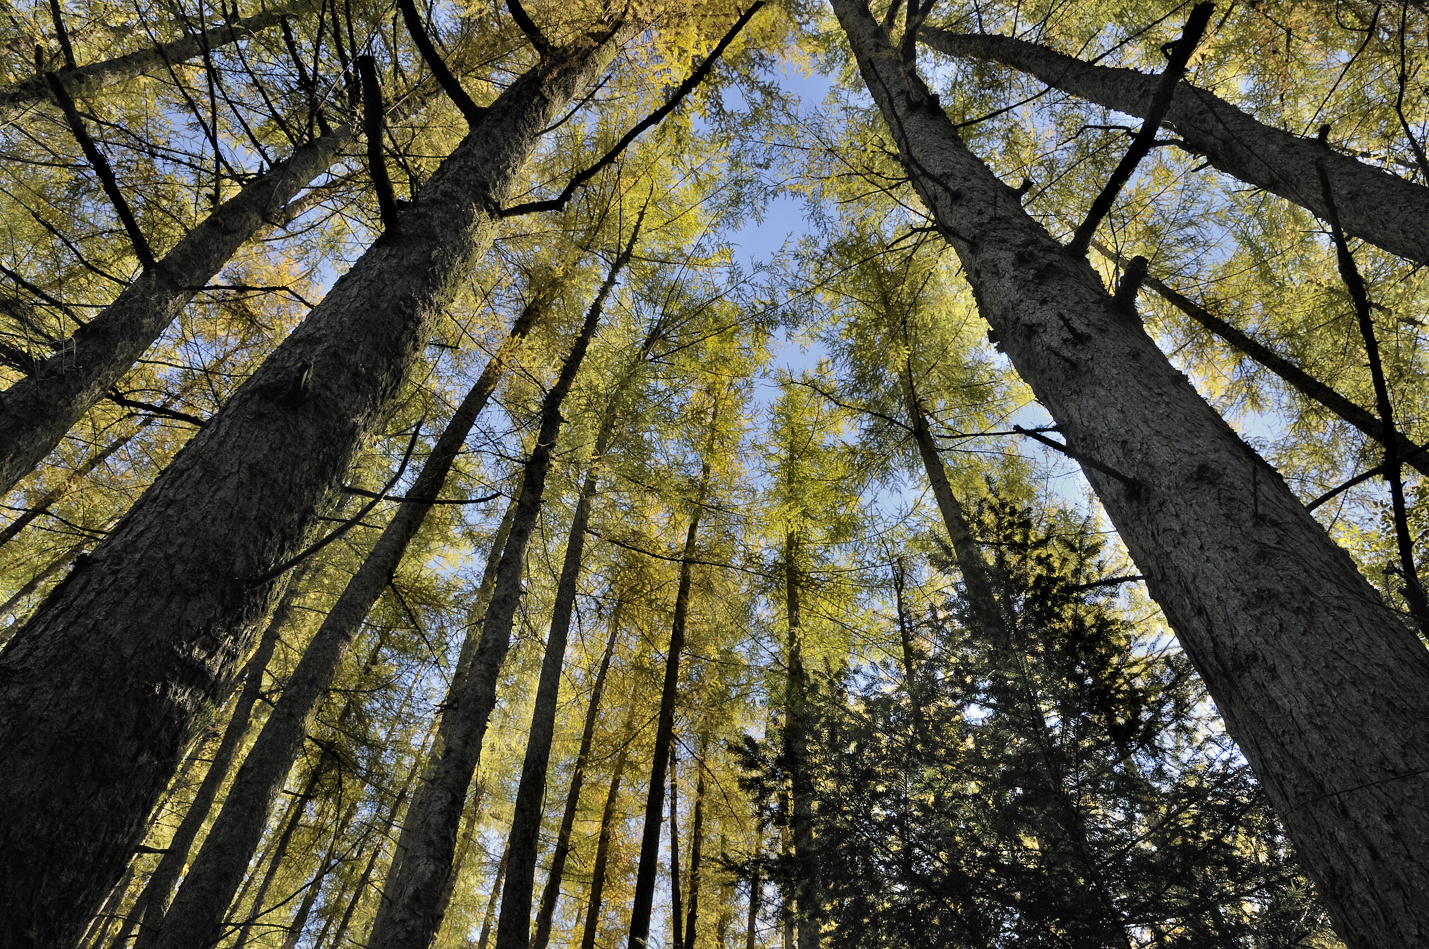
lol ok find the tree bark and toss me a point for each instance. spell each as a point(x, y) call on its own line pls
point(410, 914)
point(697, 831)
point(644, 896)
point(1385, 210)
point(489, 918)
point(87, 80)
point(1320, 683)
point(38, 410)
point(677, 922)
point(115, 669)
point(198, 909)
point(155, 898)
point(552, 892)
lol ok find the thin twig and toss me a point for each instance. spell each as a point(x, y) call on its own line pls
point(1132, 484)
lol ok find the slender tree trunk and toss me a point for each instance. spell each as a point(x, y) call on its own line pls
point(1381, 208)
point(797, 727)
point(293, 818)
point(1320, 683)
point(552, 892)
point(37, 411)
point(468, 834)
point(644, 896)
point(87, 80)
point(155, 898)
point(697, 830)
point(910, 669)
point(215, 875)
point(115, 669)
point(513, 927)
point(677, 922)
point(489, 919)
point(315, 885)
point(33, 584)
point(410, 914)
point(756, 892)
point(608, 820)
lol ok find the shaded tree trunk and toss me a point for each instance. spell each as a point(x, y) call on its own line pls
point(644, 897)
point(410, 912)
point(38, 410)
point(1320, 682)
point(798, 712)
point(489, 918)
point(552, 891)
point(1381, 208)
point(608, 821)
point(697, 831)
point(216, 873)
point(116, 669)
point(677, 922)
point(86, 80)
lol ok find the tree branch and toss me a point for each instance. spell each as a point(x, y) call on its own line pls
point(372, 128)
point(1179, 54)
point(469, 109)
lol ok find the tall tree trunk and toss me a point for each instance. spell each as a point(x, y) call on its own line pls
point(697, 830)
point(115, 669)
point(489, 918)
point(756, 890)
point(552, 892)
point(798, 713)
point(644, 897)
point(513, 926)
point(86, 80)
point(315, 885)
point(468, 834)
point(216, 873)
point(38, 410)
point(677, 922)
point(1381, 208)
point(608, 821)
point(410, 912)
point(1320, 682)
point(155, 898)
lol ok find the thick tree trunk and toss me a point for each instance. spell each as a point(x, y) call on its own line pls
point(155, 898)
point(552, 892)
point(608, 821)
point(644, 897)
point(1385, 210)
point(37, 411)
point(410, 915)
point(1320, 682)
point(115, 669)
point(87, 80)
point(216, 873)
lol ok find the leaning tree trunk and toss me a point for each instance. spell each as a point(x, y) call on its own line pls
point(1320, 682)
point(37, 411)
point(411, 911)
point(608, 820)
point(100, 691)
point(86, 80)
point(1381, 208)
point(197, 913)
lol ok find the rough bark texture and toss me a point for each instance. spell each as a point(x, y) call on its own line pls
point(115, 669)
point(411, 911)
point(37, 411)
point(1381, 208)
point(546, 912)
point(1319, 681)
point(216, 874)
point(87, 80)
point(155, 898)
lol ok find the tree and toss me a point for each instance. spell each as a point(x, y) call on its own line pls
point(1099, 374)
